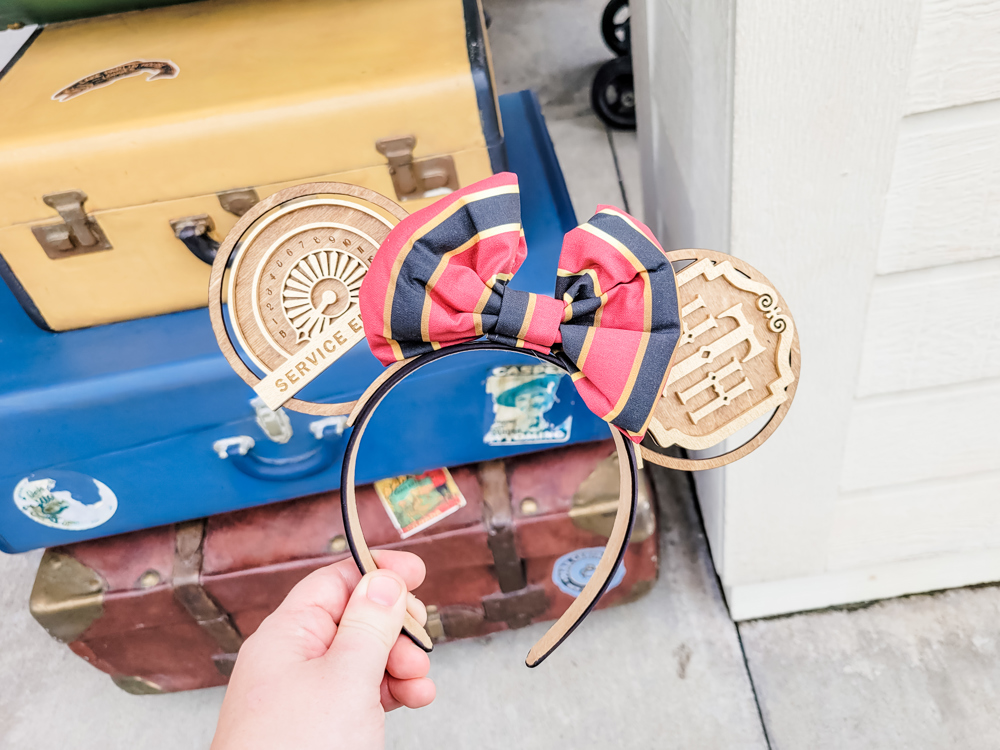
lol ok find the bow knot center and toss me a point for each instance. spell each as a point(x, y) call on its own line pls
point(532, 319)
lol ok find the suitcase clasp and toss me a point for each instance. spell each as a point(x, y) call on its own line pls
point(275, 424)
point(239, 201)
point(424, 178)
point(76, 234)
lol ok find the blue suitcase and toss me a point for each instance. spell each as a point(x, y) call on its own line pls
point(133, 425)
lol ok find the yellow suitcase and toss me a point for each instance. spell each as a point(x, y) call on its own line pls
point(130, 144)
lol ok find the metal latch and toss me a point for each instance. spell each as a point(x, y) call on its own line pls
point(239, 201)
point(424, 178)
point(275, 424)
point(328, 426)
point(76, 234)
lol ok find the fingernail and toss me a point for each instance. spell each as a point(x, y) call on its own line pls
point(384, 590)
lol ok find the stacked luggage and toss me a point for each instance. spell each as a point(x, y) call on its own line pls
point(137, 141)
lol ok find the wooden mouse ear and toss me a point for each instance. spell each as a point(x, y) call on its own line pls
point(736, 362)
point(295, 262)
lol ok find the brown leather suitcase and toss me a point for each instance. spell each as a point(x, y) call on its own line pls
point(167, 609)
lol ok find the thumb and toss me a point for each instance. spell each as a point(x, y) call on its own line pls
point(369, 627)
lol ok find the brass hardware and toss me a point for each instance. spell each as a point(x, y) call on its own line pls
point(596, 502)
point(434, 626)
point(76, 234)
point(67, 596)
point(239, 201)
point(188, 591)
point(136, 685)
point(338, 544)
point(417, 179)
point(529, 506)
point(148, 579)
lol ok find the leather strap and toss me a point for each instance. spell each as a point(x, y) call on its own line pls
point(613, 552)
point(189, 553)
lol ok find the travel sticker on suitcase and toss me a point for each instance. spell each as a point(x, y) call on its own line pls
point(65, 500)
point(572, 571)
point(524, 406)
point(415, 501)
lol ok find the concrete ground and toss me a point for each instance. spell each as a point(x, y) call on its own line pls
point(671, 670)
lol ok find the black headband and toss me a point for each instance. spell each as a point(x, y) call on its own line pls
point(613, 552)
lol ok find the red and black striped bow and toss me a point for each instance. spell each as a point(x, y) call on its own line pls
point(440, 278)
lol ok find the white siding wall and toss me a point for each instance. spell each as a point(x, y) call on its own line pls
point(852, 151)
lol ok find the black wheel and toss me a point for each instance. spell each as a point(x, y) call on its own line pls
point(616, 28)
point(613, 96)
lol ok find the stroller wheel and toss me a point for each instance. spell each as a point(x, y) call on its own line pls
point(613, 96)
point(616, 27)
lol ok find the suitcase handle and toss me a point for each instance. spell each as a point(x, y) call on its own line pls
point(240, 452)
point(193, 231)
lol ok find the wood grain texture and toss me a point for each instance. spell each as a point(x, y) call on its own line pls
point(942, 202)
point(352, 524)
point(605, 568)
point(916, 520)
point(819, 92)
point(281, 242)
point(931, 328)
point(229, 245)
point(737, 361)
point(957, 57)
point(943, 432)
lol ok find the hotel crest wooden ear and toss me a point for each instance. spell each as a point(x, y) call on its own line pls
point(293, 266)
point(737, 361)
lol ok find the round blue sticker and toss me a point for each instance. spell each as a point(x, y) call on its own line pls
point(65, 500)
point(573, 570)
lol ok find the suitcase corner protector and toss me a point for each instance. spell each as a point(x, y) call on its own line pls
point(67, 596)
point(136, 685)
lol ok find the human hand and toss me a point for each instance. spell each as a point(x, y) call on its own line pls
point(325, 666)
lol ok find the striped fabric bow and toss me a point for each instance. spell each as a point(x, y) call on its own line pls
point(440, 278)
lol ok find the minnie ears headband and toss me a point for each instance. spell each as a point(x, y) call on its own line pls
point(690, 357)
point(441, 279)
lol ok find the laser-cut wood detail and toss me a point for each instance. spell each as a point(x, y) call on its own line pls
point(294, 264)
point(736, 361)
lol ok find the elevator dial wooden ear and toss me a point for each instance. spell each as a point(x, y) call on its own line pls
point(293, 266)
point(736, 362)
